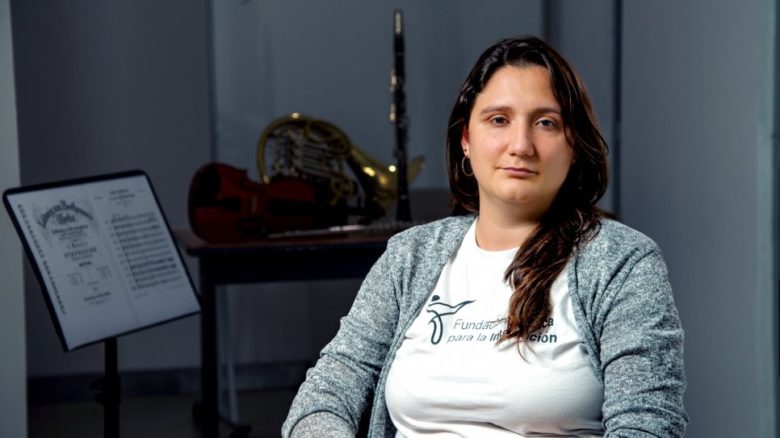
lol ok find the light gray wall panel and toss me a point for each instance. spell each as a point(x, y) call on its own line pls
point(13, 406)
point(695, 133)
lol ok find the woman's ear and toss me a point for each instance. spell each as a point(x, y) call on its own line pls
point(464, 140)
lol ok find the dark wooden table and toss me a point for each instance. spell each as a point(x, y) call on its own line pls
point(287, 259)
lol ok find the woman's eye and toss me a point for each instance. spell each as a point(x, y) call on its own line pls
point(499, 120)
point(547, 123)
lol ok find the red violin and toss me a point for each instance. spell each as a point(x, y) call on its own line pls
point(224, 205)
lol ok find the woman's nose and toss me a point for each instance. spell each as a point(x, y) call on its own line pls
point(521, 143)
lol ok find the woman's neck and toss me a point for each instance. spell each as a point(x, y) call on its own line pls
point(496, 233)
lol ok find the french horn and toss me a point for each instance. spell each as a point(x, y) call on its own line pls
point(320, 152)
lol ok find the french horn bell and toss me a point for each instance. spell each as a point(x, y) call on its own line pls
point(317, 150)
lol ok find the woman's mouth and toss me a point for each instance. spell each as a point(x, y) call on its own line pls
point(519, 171)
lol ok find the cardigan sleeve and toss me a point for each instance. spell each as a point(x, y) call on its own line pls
point(332, 399)
point(641, 353)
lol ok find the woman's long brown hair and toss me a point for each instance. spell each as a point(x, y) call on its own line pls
point(573, 216)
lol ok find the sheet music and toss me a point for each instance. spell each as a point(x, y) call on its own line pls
point(106, 257)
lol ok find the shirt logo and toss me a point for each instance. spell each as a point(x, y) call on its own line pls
point(439, 309)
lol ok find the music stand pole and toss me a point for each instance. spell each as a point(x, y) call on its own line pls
point(109, 394)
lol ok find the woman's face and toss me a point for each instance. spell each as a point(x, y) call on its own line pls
point(516, 142)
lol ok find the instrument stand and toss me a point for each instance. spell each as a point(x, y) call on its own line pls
point(109, 390)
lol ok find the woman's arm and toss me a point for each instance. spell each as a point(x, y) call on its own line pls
point(336, 391)
point(641, 351)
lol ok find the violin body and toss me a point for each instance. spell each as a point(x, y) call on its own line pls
point(225, 205)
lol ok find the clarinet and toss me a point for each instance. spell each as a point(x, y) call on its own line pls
point(398, 118)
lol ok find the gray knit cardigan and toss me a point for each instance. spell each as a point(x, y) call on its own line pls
point(622, 303)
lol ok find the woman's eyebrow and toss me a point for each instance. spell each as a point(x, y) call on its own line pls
point(547, 109)
point(505, 108)
point(495, 109)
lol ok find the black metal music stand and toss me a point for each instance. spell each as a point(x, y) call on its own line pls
point(93, 240)
point(109, 390)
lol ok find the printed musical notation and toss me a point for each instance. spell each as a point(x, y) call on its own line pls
point(144, 248)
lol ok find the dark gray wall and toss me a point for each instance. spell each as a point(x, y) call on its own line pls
point(13, 406)
point(584, 32)
point(102, 87)
point(697, 165)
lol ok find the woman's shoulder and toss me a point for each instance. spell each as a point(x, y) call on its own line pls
point(614, 247)
point(618, 256)
point(445, 229)
point(617, 239)
point(432, 240)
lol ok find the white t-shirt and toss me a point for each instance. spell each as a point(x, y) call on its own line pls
point(450, 379)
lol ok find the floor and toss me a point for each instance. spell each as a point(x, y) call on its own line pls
point(160, 416)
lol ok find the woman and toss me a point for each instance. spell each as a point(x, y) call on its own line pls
point(529, 315)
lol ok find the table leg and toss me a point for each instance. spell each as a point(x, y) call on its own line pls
point(208, 348)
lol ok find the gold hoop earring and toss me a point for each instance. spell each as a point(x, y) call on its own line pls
point(463, 166)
